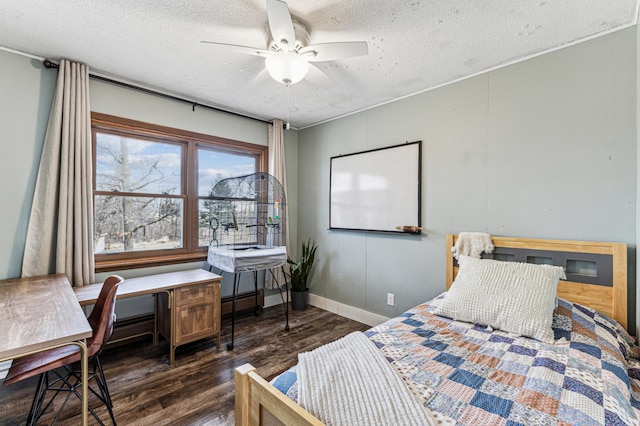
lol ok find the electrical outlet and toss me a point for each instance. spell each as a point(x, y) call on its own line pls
point(391, 299)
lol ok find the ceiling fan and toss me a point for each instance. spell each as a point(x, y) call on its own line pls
point(289, 55)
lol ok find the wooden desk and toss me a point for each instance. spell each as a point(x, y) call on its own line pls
point(42, 313)
point(187, 306)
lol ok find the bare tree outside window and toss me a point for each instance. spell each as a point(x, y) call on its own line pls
point(139, 211)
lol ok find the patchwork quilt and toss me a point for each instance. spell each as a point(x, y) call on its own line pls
point(468, 374)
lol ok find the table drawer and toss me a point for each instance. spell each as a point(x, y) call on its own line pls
point(197, 293)
point(195, 322)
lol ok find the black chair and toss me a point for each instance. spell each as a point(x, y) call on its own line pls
point(55, 366)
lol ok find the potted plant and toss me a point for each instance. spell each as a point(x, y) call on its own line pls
point(299, 275)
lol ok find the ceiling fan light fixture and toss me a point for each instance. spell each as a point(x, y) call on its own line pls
point(286, 67)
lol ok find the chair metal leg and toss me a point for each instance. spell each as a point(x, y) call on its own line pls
point(69, 381)
point(37, 400)
point(47, 385)
point(66, 386)
point(102, 384)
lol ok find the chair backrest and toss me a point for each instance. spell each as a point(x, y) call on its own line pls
point(101, 318)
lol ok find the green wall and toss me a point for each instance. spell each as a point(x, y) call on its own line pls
point(26, 90)
point(543, 148)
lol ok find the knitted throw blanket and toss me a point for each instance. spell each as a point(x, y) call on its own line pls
point(472, 244)
point(349, 382)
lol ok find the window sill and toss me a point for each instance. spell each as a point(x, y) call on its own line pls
point(146, 262)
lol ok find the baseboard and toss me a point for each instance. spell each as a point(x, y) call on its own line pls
point(245, 301)
point(276, 299)
point(346, 311)
point(131, 328)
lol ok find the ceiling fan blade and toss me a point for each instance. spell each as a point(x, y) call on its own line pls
point(332, 51)
point(317, 77)
point(280, 24)
point(260, 80)
point(246, 50)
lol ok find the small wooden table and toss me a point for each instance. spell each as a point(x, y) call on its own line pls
point(187, 306)
point(42, 313)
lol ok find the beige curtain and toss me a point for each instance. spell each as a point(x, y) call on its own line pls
point(60, 233)
point(278, 170)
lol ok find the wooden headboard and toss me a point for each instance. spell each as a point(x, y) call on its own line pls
point(596, 271)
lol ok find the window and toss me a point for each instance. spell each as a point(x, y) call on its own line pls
point(208, 176)
point(151, 190)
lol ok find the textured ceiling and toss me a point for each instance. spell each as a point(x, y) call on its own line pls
point(414, 45)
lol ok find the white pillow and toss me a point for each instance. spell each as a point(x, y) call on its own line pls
point(515, 297)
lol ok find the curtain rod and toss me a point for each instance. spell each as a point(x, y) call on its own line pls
point(50, 64)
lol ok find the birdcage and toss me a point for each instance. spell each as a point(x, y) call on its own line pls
point(247, 218)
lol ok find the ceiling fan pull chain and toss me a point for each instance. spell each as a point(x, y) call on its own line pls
point(288, 106)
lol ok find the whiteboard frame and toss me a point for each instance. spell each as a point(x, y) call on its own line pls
point(407, 181)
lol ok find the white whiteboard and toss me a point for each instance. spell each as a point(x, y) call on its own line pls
point(376, 190)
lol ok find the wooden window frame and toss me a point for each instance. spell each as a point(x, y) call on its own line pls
point(191, 142)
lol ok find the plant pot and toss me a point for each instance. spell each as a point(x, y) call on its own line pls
point(299, 300)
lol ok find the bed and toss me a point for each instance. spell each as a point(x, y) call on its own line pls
point(586, 372)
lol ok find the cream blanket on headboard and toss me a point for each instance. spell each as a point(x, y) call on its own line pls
point(472, 244)
point(349, 382)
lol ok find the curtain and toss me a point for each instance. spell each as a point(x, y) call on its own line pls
point(60, 232)
point(278, 170)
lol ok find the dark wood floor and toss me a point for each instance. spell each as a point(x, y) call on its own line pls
point(198, 389)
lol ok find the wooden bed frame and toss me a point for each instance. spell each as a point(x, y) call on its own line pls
point(603, 287)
